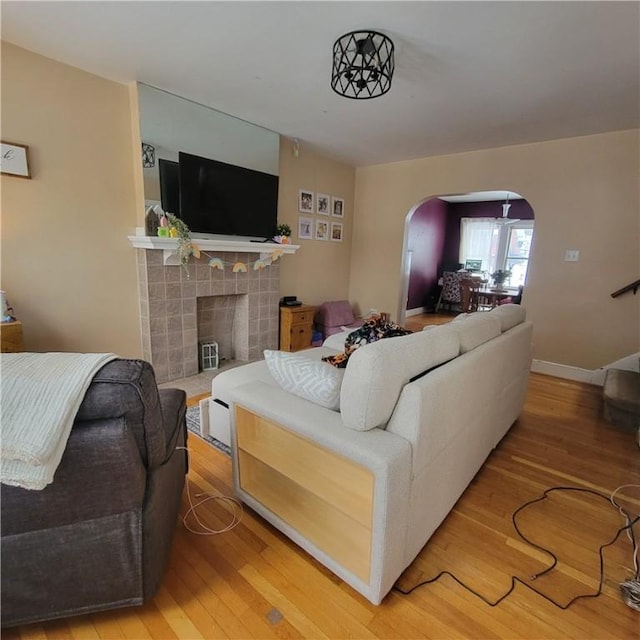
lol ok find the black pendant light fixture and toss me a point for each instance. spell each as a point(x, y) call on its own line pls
point(362, 65)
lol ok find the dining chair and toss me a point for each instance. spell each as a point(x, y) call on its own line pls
point(450, 293)
point(469, 293)
point(472, 296)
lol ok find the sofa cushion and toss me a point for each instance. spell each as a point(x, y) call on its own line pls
point(474, 329)
point(336, 340)
point(377, 372)
point(510, 315)
point(312, 380)
point(229, 379)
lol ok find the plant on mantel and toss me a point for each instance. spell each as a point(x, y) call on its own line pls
point(283, 232)
point(186, 248)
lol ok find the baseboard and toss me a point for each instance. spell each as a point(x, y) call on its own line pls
point(595, 376)
point(415, 312)
point(567, 372)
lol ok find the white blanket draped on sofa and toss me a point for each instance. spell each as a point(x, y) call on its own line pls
point(41, 394)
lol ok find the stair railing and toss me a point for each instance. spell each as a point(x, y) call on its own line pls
point(633, 286)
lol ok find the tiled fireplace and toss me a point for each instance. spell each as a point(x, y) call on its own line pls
point(179, 308)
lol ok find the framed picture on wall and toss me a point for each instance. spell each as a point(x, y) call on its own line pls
point(323, 202)
point(14, 160)
point(305, 201)
point(305, 228)
point(336, 231)
point(337, 207)
point(322, 230)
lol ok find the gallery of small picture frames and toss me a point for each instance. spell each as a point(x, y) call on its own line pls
point(330, 211)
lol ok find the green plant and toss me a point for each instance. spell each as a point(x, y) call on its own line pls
point(283, 230)
point(185, 248)
point(500, 276)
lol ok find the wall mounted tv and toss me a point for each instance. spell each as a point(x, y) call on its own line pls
point(169, 185)
point(219, 198)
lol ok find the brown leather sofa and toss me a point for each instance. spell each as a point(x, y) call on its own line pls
point(99, 536)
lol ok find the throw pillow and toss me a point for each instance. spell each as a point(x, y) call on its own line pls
point(312, 380)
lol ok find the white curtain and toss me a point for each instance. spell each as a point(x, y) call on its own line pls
point(479, 241)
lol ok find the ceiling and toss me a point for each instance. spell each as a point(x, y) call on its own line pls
point(469, 75)
point(482, 196)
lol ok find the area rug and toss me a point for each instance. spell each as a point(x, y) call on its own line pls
point(193, 424)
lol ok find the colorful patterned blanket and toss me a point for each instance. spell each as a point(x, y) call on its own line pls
point(375, 328)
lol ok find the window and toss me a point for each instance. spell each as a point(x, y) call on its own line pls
point(518, 245)
point(479, 241)
point(498, 244)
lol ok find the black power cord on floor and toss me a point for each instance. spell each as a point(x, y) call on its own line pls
point(630, 589)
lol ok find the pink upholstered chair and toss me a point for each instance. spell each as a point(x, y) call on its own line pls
point(331, 317)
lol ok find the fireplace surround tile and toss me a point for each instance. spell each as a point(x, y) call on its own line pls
point(188, 290)
point(173, 290)
point(189, 305)
point(170, 304)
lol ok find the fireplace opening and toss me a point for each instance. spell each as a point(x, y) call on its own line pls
point(225, 320)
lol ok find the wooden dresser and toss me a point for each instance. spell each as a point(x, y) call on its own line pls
point(11, 337)
point(296, 326)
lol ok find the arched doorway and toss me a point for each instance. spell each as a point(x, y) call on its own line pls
point(483, 231)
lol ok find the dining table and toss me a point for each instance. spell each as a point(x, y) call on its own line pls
point(493, 295)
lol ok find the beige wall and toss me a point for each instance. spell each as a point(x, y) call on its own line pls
point(67, 266)
point(319, 271)
point(585, 195)
point(69, 270)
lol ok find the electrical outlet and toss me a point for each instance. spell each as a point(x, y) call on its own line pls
point(571, 255)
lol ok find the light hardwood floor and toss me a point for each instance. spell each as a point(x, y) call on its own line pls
point(416, 323)
point(254, 583)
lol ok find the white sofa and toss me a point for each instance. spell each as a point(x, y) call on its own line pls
point(362, 489)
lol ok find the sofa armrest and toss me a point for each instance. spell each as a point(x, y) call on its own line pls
point(174, 410)
point(127, 389)
point(386, 455)
point(372, 449)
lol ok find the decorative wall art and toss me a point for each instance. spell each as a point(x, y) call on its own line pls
point(305, 228)
point(337, 207)
point(323, 203)
point(14, 160)
point(240, 267)
point(305, 201)
point(322, 230)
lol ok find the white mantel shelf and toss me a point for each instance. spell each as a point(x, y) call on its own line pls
point(169, 246)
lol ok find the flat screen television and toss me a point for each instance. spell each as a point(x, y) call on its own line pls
point(224, 199)
point(169, 186)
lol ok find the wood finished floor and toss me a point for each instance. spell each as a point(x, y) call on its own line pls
point(254, 583)
point(416, 323)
